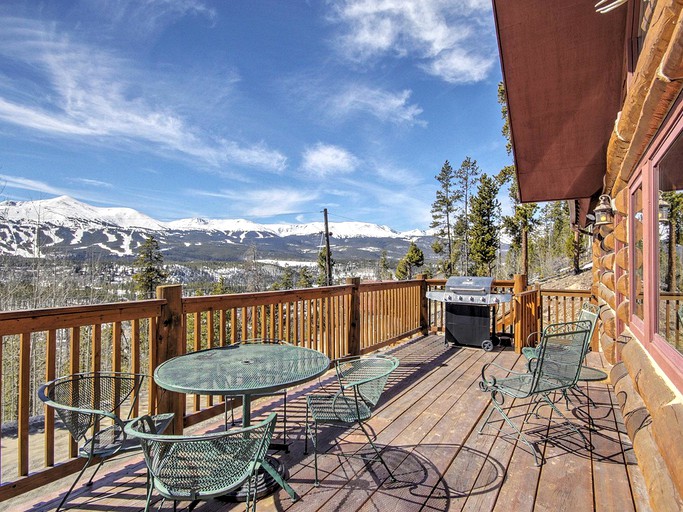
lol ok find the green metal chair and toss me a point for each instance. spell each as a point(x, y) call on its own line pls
point(202, 467)
point(282, 393)
point(556, 368)
point(90, 405)
point(588, 312)
point(361, 383)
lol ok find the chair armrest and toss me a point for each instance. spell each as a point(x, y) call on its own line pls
point(534, 334)
point(489, 382)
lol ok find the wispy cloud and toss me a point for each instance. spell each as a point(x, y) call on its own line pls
point(393, 107)
point(264, 202)
point(91, 183)
point(452, 39)
point(92, 94)
point(324, 160)
point(30, 185)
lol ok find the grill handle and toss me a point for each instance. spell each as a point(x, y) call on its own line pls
point(467, 290)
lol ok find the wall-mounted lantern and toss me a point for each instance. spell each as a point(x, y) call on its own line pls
point(603, 212)
point(664, 209)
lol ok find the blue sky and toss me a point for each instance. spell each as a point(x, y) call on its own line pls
point(263, 110)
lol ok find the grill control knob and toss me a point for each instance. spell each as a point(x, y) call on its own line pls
point(449, 298)
point(483, 299)
point(496, 300)
point(460, 297)
point(471, 299)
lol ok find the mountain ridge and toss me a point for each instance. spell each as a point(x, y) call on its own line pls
point(66, 225)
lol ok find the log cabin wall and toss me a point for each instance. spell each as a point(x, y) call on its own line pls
point(650, 399)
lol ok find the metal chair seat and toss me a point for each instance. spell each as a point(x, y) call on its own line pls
point(201, 467)
point(337, 408)
point(361, 383)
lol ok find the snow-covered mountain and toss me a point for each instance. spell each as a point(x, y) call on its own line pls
point(66, 226)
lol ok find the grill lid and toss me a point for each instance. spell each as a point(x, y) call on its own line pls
point(469, 290)
point(469, 284)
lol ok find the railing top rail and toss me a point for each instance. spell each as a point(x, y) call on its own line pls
point(389, 285)
point(565, 293)
point(36, 320)
point(234, 300)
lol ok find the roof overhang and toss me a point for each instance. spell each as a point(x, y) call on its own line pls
point(563, 69)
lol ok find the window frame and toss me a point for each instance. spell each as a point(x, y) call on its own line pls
point(647, 176)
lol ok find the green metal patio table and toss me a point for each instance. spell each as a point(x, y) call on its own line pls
point(246, 370)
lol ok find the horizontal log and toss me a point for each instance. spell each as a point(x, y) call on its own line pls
point(607, 347)
point(624, 311)
point(622, 285)
point(621, 202)
point(667, 430)
point(607, 261)
point(621, 258)
point(607, 244)
point(621, 231)
point(607, 278)
point(608, 318)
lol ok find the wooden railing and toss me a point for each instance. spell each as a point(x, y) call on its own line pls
point(39, 345)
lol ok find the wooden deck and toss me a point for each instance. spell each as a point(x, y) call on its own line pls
point(427, 421)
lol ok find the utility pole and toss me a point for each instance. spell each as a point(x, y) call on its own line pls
point(328, 266)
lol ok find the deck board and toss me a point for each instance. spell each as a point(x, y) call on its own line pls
point(427, 422)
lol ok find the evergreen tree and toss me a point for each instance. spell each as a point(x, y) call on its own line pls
point(522, 222)
point(150, 267)
point(414, 258)
point(465, 178)
point(674, 228)
point(305, 279)
point(484, 236)
point(383, 271)
point(322, 266)
point(443, 212)
point(286, 280)
point(220, 287)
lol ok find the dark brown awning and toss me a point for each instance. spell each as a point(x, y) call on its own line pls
point(563, 68)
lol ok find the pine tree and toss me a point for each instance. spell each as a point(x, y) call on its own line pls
point(220, 287)
point(414, 258)
point(305, 279)
point(322, 266)
point(443, 212)
point(383, 271)
point(150, 264)
point(522, 222)
point(674, 229)
point(484, 236)
point(286, 280)
point(465, 178)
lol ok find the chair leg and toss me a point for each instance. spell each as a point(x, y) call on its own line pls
point(94, 473)
point(80, 474)
point(306, 432)
point(379, 455)
point(481, 429)
point(520, 435)
point(315, 452)
point(284, 420)
point(571, 425)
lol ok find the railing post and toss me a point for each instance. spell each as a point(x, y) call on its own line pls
point(354, 321)
point(424, 305)
point(519, 286)
point(169, 343)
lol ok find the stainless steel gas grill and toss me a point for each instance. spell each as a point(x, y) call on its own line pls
point(469, 301)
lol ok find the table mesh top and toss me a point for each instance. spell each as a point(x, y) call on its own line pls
point(241, 369)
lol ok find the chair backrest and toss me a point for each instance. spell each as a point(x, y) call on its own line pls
point(262, 341)
point(202, 466)
point(83, 399)
point(366, 375)
point(589, 312)
point(563, 349)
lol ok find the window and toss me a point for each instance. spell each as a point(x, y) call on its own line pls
point(669, 228)
point(655, 247)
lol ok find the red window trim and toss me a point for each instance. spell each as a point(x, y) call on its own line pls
point(668, 358)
